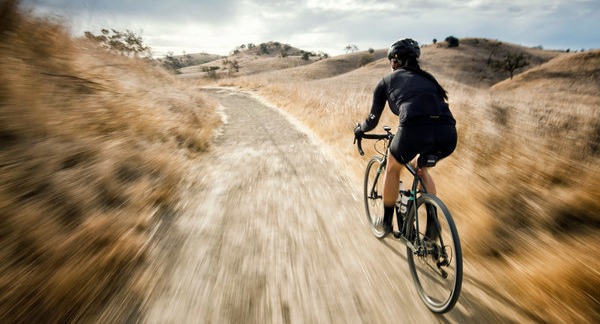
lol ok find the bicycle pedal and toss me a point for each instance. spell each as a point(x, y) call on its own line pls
point(397, 235)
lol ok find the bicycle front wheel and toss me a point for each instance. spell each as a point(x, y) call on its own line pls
point(373, 195)
point(435, 259)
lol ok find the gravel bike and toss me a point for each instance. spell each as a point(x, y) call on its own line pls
point(423, 223)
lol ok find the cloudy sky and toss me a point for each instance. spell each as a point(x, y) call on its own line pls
point(219, 26)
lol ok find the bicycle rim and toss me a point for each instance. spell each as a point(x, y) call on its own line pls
point(436, 267)
point(373, 194)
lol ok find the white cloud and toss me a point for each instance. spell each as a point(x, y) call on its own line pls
point(349, 5)
point(218, 26)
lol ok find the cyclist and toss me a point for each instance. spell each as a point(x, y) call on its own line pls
point(426, 123)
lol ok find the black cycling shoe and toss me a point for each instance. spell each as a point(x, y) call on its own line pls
point(387, 225)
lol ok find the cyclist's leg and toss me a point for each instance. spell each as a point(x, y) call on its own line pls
point(402, 149)
point(391, 181)
point(391, 186)
point(427, 178)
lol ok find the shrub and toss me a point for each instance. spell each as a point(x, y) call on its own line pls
point(452, 41)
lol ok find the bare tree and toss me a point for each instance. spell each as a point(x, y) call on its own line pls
point(511, 62)
point(351, 48)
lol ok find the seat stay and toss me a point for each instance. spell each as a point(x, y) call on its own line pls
point(417, 179)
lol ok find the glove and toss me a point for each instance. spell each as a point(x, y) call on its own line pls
point(358, 132)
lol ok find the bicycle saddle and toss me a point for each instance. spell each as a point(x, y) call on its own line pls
point(427, 160)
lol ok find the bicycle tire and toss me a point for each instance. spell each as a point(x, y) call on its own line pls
point(373, 194)
point(437, 290)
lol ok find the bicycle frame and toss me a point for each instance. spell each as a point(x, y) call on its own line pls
point(414, 191)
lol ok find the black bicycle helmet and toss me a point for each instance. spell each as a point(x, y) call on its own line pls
point(404, 48)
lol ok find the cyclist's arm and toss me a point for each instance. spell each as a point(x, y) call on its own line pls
point(379, 100)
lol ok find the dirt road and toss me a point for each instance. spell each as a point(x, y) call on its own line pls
point(274, 234)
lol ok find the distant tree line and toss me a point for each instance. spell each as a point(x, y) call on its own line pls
point(174, 63)
point(264, 48)
point(129, 44)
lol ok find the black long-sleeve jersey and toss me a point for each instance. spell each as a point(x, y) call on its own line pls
point(413, 97)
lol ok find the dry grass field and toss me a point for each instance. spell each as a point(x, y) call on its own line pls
point(94, 149)
point(522, 183)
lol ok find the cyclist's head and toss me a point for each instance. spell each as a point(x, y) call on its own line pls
point(404, 50)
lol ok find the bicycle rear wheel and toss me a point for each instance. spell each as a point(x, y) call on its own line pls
point(373, 195)
point(436, 260)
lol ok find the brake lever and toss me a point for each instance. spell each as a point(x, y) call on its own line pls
point(358, 142)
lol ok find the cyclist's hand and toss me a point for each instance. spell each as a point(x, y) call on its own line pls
point(358, 132)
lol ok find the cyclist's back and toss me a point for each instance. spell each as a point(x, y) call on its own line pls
point(414, 97)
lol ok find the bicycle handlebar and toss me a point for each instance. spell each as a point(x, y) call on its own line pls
point(358, 140)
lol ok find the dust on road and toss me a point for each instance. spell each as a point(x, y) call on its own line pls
point(274, 233)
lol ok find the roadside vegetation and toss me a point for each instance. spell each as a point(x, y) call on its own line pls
point(94, 153)
point(522, 182)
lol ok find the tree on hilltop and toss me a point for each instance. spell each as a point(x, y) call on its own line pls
point(323, 55)
point(510, 63)
point(121, 42)
point(351, 48)
point(263, 49)
point(452, 41)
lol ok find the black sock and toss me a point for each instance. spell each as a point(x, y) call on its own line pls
point(388, 213)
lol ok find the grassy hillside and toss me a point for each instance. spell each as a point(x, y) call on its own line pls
point(94, 150)
point(472, 63)
point(521, 183)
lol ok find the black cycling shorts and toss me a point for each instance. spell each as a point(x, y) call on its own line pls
point(439, 140)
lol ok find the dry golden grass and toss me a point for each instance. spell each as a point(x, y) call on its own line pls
point(522, 182)
point(94, 150)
